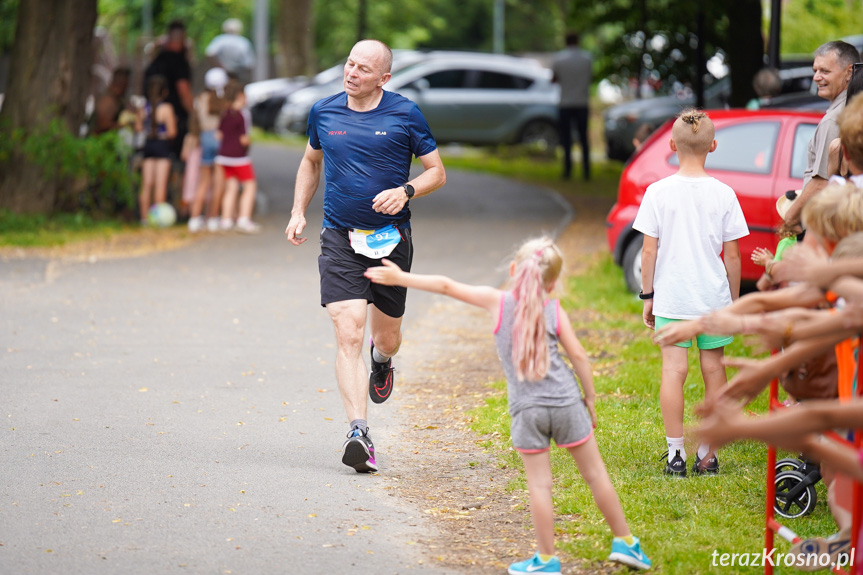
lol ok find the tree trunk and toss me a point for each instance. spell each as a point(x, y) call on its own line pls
point(745, 49)
point(49, 78)
point(296, 32)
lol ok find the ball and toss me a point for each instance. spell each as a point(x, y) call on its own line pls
point(162, 215)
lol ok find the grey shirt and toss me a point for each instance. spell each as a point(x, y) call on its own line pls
point(559, 387)
point(573, 70)
point(826, 132)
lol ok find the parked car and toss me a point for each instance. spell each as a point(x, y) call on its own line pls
point(623, 120)
point(760, 154)
point(293, 111)
point(266, 98)
point(468, 98)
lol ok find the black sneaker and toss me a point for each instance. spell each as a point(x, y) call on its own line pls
point(380, 379)
point(676, 467)
point(709, 466)
point(359, 451)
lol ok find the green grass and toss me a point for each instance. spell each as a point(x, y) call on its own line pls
point(26, 230)
point(680, 521)
point(540, 169)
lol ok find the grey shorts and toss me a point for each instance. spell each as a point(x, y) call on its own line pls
point(533, 427)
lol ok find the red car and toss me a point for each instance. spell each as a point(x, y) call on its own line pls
point(761, 154)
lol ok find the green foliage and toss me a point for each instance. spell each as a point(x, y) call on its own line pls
point(203, 18)
point(806, 24)
point(680, 521)
point(99, 164)
point(8, 21)
point(437, 24)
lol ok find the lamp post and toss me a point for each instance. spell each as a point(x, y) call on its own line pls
point(498, 27)
point(262, 40)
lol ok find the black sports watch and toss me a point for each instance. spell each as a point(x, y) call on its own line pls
point(409, 190)
point(642, 295)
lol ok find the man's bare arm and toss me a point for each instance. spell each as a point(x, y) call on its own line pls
point(308, 178)
point(815, 185)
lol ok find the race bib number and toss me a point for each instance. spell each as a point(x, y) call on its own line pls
point(375, 244)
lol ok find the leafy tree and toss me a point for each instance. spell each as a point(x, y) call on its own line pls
point(806, 24)
point(49, 79)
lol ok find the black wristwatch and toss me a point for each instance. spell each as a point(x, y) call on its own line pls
point(409, 190)
point(642, 295)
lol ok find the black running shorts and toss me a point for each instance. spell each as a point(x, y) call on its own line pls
point(342, 272)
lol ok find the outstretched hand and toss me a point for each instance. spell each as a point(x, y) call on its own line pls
point(677, 331)
point(388, 274)
point(804, 263)
point(752, 377)
point(761, 256)
point(720, 421)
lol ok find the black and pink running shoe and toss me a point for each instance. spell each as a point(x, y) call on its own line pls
point(380, 379)
point(359, 451)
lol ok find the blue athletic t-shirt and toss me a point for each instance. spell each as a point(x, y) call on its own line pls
point(364, 154)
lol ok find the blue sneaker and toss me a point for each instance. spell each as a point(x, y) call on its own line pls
point(630, 555)
point(359, 451)
point(535, 565)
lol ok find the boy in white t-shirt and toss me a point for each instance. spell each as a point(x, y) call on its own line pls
point(689, 220)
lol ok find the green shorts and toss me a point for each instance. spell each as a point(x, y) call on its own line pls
point(704, 340)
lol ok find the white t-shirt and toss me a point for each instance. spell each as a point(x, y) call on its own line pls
point(856, 180)
point(233, 51)
point(692, 218)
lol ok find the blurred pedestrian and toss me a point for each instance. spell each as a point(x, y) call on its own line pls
point(573, 70)
point(235, 161)
point(160, 125)
point(767, 85)
point(209, 106)
point(233, 51)
point(110, 103)
point(173, 64)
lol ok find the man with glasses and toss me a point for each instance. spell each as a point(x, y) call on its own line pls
point(832, 69)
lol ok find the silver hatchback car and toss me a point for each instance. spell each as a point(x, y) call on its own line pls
point(470, 98)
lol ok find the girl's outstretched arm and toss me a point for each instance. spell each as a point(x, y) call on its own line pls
point(488, 298)
point(580, 362)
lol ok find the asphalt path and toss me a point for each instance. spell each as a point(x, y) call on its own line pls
point(178, 412)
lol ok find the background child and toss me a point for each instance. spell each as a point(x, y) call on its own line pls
point(191, 156)
point(544, 399)
point(787, 238)
point(208, 110)
point(234, 159)
point(160, 125)
point(688, 220)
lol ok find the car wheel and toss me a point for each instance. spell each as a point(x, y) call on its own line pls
point(632, 264)
point(539, 134)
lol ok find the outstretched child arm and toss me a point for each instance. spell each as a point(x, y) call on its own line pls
point(580, 363)
point(791, 429)
point(762, 257)
point(488, 298)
